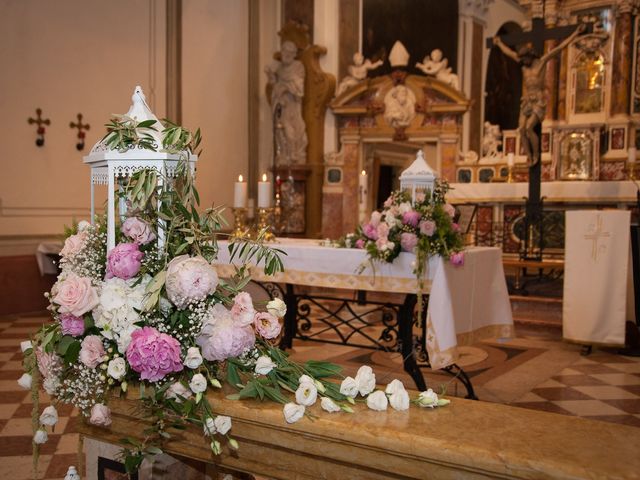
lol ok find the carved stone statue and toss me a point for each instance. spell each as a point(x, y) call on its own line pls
point(357, 72)
point(533, 103)
point(436, 66)
point(287, 81)
point(399, 106)
point(491, 140)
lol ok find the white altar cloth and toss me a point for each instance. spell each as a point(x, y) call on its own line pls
point(466, 303)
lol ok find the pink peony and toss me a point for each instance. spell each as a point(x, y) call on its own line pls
point(222, 338)
point(73, 244)
point(408, 241)
point(375, 218)
point(381, 243)
point(124, 261)
point(450, 210)
point(75, 295)
point(71, 325)
point(383, 230)
point(360, 243)
point(428, 227)
point(242, 310)
point(267, 325)
point(411, 218)
point(370, 231)
point(138, 230)
point(100, 415)
point(190, 279)
point(457, 259)
point(153, 354)
point(91, 351)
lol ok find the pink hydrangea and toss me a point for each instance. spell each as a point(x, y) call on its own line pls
point(153, 354)
point(267, 325)
point(71, 325)
point(411, 218)
point(221, 337)
point(370, 231)
point(92, 351)
point(242, 310)
point(138, 230)
point(360, 243)
point(457, 259)
point(408, 241)
point(124, 261)
point(428, 227)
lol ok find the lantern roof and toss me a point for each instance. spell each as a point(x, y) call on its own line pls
point(419, 170)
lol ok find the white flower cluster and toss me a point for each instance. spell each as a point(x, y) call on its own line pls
point(89, 259)
point(185, 334)
point(84, 386)
point(365, 384)
point(306, 394)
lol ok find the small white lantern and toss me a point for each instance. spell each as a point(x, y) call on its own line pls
point(418, 178)
point(112, 168)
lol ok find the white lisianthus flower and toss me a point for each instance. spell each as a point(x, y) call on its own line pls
point(293, 412)
point(40, 437)
point(377, 401)
point(366, 380)
point(223, 424)
point(26, 345)
point(209, 427)
point(25, 381)
point(399, 400)
point(306, 394)
point(349, 387)
point(277, 307)
point(329, 405)
point(117, 368)
point(193, 358)
point(198, 383)
point(305, 378)
point(428, 399)
point(393, 387)
point(176, 391)
point(264, 365)
point(49, 416)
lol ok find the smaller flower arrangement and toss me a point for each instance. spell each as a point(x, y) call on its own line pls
point(425, 227)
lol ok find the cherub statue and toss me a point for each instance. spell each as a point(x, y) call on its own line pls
point(357, 72)
point(491, 140)
point(436, 66)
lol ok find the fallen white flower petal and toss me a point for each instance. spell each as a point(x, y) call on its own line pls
point(329, 405)
point(377, 401)
point(25, 381)
point(293, 412)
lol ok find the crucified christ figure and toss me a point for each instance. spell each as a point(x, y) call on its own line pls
point(533, 103)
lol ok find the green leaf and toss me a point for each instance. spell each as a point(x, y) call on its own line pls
point(64, 344)
point(249, 391)
point(73, 352)
point(232, 374)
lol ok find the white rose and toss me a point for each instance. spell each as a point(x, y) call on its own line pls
point(264, 365)
point(176, 391)
point(329, 405)
point(198, 383)
point(209, 427)
point(306, 394)
point(25, 381)
point(399, 400)
point(428, 399)
point(349, 387)
point(117, 368)
point(404, 207)
point(390, 245)
point(293, 412)
point(222, 424)
point(26, 345)
point(366, 380)
point(391, 221)
point(395, 386)
point(40, 437)
point(377, 401)
point(49, 416)
point(277, 307)
point(193, 359)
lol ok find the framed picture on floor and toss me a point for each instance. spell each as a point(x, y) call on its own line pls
point(112, 470)
point(464, 216)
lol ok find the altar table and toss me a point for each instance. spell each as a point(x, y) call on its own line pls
point(466, 303)
point(465, 440)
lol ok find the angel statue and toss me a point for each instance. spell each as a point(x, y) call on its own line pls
point(357, 72)
point(436, 66)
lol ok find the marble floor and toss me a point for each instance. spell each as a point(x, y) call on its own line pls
point(533, 370)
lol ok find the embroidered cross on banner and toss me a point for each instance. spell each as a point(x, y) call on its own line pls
point(596, 234)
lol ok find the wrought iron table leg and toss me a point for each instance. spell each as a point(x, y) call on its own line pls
point(405, 325)
point(464, 379)
point(290, 318)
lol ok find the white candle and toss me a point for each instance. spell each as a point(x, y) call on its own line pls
point(363, 184)
point(240, 193)
point(632, 155)
point(264, 192)
point(510, 160)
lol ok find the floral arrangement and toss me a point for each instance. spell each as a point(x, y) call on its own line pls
point(157, 316)
point(425, 227)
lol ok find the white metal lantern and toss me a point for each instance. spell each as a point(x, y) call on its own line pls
point(112, 168)
point(418, 178)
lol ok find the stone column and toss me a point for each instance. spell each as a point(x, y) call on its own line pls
point(621, 65)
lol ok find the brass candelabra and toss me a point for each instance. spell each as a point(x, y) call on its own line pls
point(240, 227)
point(265, 222)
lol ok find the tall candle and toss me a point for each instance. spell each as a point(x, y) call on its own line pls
point(240, 193)
point(632, 155)
point(264, 192)
point(363, 184)
point(510, 160)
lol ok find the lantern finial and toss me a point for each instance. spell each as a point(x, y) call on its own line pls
point(418, 178)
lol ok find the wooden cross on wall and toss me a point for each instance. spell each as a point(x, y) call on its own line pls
point(536, 37)
point(82, 127)
point(40, 122)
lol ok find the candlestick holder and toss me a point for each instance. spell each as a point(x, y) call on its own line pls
point(240, 227)
point(631, 171)
point(510, 174)
point(265, 223)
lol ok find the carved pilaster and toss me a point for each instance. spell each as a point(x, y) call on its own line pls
point(551, 72)
point(621, 65)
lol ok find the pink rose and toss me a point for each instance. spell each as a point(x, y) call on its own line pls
point(242, 310)
point(100, 415)
point(153, 354)
point(383, 230)
point(457, 259)
point(455, 227)
point(375, 218)
point(411, 218)
point(381, 243)
point(420, 196)
point(48, 363)
point(71, 325)
point(267, 325)
point(360, 243)
point(408, 241)
point(428, 227)
point(75, 295)
point(138, 230)
point(388, 202)
point(124, 261)
point(450, 210)
point(73, 244)
point(190, 279)
point(91, 351)
point(370, 231)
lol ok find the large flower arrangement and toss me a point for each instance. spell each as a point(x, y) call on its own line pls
point(160, 318)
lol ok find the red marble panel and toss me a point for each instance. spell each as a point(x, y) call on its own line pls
point(613, 171)
point(484, 226)
point(332, 215)
point(511, 213)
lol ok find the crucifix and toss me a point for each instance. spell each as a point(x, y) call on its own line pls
point(40, 122)
point(81, 131)
point(533, 104)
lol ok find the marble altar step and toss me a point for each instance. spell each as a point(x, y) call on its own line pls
point(536, 311)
